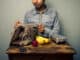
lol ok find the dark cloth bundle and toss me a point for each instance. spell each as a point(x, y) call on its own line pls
point(23, 33)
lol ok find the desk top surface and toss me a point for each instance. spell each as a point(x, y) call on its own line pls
point(48, 48)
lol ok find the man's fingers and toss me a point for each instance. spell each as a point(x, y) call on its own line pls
point(40, 28)
point(17, 24)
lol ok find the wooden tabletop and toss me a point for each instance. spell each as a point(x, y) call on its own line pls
point(51, 48)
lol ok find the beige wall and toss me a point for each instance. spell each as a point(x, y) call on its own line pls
point(69, 12)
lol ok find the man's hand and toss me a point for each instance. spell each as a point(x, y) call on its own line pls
point(17, 24)
point(40, 28)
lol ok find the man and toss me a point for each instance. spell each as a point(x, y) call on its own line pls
point(45, 18)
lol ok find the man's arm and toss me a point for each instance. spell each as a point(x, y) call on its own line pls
point(55, 29)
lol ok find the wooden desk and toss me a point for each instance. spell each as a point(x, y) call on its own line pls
point(47, 52)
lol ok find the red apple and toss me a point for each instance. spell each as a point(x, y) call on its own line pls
point(34, 43)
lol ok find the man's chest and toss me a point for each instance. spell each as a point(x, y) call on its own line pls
point(47, 20)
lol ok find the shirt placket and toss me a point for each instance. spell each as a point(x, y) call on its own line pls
point(40, 18)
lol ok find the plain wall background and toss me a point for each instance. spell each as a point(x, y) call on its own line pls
point(68, 10)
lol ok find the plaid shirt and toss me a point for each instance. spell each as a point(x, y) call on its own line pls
point(48, 18)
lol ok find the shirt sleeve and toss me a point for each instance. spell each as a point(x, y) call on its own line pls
point(25, 19)
point(55, 29)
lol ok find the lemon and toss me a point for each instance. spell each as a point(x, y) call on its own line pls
point(42, 40)
point(46, 40)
